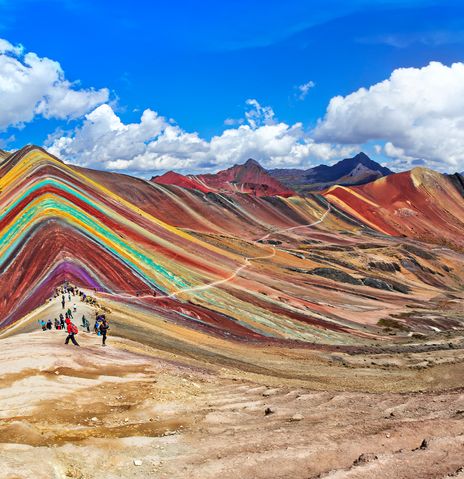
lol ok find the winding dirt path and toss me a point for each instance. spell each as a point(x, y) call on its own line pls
point(246, 264)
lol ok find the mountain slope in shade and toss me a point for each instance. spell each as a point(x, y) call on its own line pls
point(420, 203)
point(250, 177)
point(352, 171)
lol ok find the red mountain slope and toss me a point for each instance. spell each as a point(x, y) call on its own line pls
point(173, 178)
point(247, 178)
point(420, 203)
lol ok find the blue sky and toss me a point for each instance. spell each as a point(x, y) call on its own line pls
point(198, 62)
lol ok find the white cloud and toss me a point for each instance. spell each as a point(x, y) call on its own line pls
point(32, 86)
point(419, 112)
point(104, 141)
point(233, 121)
point(258, 115)
point(304, 89)
point(7, 47)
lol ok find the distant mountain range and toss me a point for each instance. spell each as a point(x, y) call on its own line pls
point(250, 177)
point(352, 171)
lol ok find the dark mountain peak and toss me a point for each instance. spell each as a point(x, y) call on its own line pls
point(252, 163)
point(360, 158)
point(357, 170)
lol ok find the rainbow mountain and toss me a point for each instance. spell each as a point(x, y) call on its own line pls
point(303, 270)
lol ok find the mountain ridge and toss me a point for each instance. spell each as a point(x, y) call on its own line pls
point(359, 169)
point(249, 177)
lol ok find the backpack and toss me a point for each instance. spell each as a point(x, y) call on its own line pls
point(74, 329)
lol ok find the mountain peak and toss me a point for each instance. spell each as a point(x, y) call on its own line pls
point(251, 162)
point(357, 170)
point(249, 177)
point(361, 156)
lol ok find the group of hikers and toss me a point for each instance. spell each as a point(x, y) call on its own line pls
point(65, 323)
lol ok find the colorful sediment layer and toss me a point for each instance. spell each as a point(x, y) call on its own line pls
point(240, 266)
point(420, 203)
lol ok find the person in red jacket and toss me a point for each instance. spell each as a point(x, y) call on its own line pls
point(72, 330)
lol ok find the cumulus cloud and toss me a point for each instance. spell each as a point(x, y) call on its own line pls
point(156, 144)
point(418, 112)
point(7, 47)
point(32, 86)
point(304, 89)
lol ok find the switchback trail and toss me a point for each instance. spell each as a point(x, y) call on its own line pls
point(247, 262)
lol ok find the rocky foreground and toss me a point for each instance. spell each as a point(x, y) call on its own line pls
point(128, 410)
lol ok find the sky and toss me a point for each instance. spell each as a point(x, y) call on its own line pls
point(145, 87)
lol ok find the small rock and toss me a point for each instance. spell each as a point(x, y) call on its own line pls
point(387, 435)
point(365, 458)
point(94, 419)
point(137, 462)
point(268, 411)
point(424, 444)
point(297, 417)
point(268, 393)
point(126, 419)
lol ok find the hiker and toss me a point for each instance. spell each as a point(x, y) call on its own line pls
point(72, 330)
point(104, 326)
point(68, 312)
point(96, 326)
point(43, 325)
point(62, 303)
point(49, 324)
point(87, 325)
point(57, 324)
point(61, 321)
point(74, 307)
point(83, 320)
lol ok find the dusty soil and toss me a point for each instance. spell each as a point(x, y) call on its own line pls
point(144, 409)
